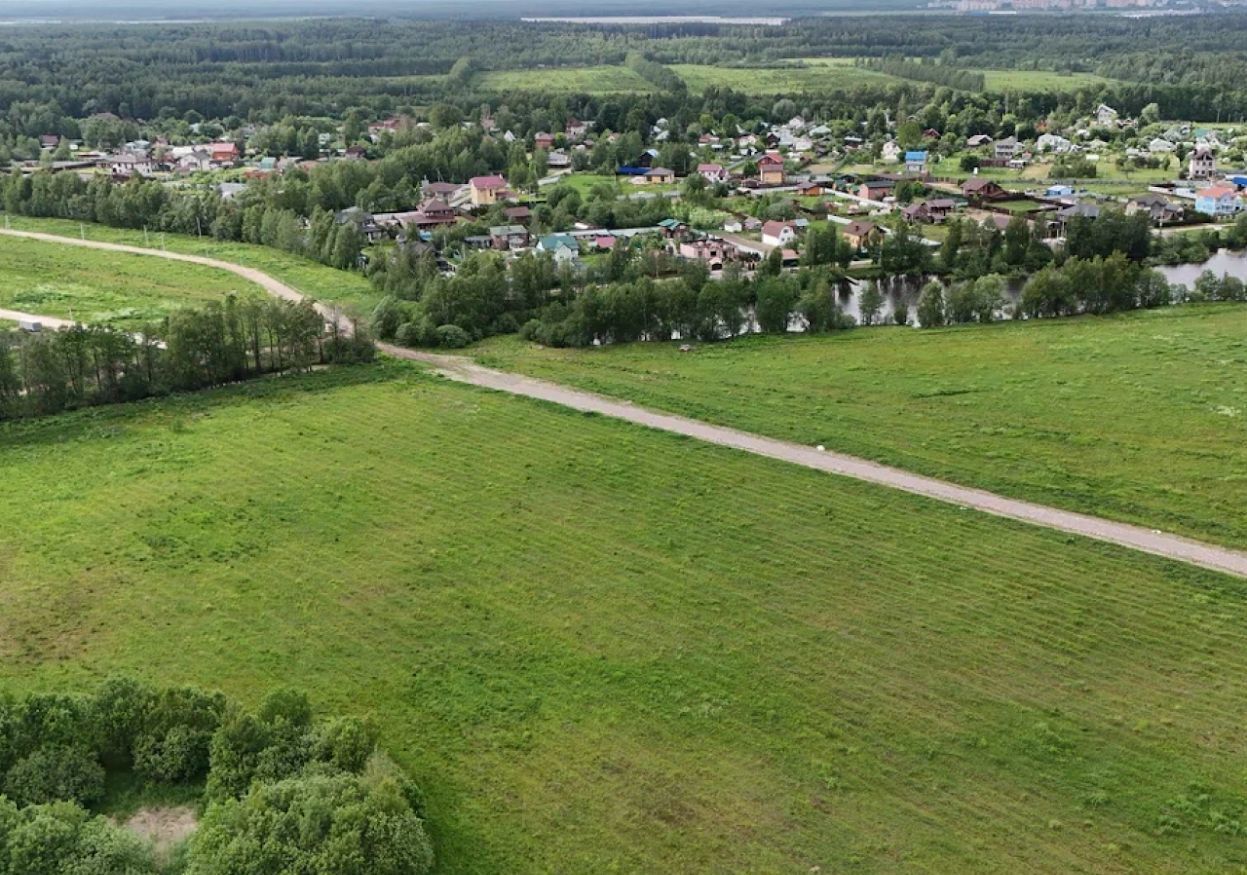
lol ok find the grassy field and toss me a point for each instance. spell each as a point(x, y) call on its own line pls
point(1140, 417)
point(350, 290)
point(605, 649)
point(820, 75)
point(1046, 81)
point(48, 279)
point(606, 79)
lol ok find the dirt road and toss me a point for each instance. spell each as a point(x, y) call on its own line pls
point(46, 321)
point(463, 370)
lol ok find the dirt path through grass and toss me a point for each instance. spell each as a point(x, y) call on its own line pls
point(461, 369)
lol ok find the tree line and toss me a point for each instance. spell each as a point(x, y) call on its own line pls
point(194, 348)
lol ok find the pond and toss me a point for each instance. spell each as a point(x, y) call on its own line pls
point(899, 291)
point(1224, 262)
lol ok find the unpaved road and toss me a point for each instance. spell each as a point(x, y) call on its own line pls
point(45, 321)
point(463, 370)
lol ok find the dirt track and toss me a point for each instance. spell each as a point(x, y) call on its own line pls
point(463, 370)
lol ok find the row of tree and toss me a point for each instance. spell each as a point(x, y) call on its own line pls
point(193, 348)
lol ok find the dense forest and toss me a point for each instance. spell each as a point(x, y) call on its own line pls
point(1192, 67)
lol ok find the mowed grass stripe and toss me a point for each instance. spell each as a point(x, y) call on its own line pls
point(48, 279)
point(601, 646)
point(1140, 417)
point(349, 290)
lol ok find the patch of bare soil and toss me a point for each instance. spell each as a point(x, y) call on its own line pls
point(165, 828)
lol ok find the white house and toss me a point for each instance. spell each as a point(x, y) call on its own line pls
point(1106, 116)
point(891, 152)
point(778, 233)
point(713, 173)
point(1202, 163)
point(1053, 143)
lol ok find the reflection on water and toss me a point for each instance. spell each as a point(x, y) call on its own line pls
point(1224, 262)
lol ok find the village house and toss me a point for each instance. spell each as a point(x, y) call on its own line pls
point(224, 154)
point(714, 253)
point(1219, 201)
point(1202, 163)
point(124, 165)
point(861, 234)
point(447, 191)
point(558, 160)
point(978, 190)
point(1106, 116)
point(1054, 144)
point(890, 153)
point(1059, 224)
point(934, 211)
point(672, 228)
point(810, 189)
point(487, 190)
point(363, 220)
point(916, 161)
point(778, 233)
point(518, 215)
point(713, 173)
point(543, 141)
point(915, 213)
point(1159, 209)
point(659, 176)
point(1005, 149)
point(771, 169)
point(431, 213)
point(978, 141)
point(875, 189)
point(576, 130)
point(508, 236)
point(562, 247)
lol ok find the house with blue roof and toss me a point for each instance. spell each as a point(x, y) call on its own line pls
point(916, 161)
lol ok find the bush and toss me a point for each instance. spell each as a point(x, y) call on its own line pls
point(452, 337)
point(181, 754)
point(53, 773)
point(62, 838)
point(315, 825)
point(408, 334)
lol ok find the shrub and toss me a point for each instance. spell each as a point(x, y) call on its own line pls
point(181, 754)
point(53, 773)
point(315, 825)
point(452, 337)
point(62, 838)
point(408, 334)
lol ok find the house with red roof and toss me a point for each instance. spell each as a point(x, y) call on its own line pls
point(487, 190)
point(1219, 201)
point(770, 169)
point(713, 173)
point(778, 233)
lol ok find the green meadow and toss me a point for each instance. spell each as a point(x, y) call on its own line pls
point(1047, 81)
point(49, 279)
point(606, 79)
point(819, 74)
point(1141, 417)
point(601, 648)
point(350, 290)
